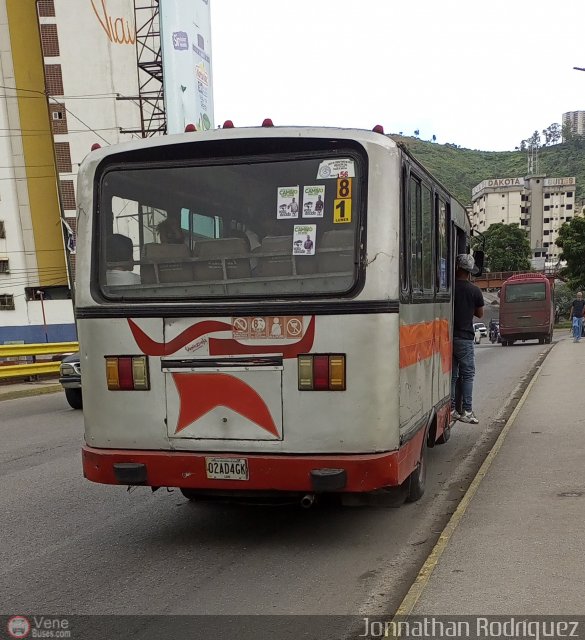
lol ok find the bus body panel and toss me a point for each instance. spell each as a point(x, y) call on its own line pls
point(363, 418)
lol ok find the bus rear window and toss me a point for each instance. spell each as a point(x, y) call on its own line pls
point(246, 229)
point(529, 292)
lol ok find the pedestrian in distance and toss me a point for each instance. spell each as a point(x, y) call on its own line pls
point(576, 315)
point(468, 304)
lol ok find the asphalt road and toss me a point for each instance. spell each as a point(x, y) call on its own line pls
point(71, 547)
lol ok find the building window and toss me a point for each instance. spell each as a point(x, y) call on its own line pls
point(6, 302)
point(569, 218)
point(58, 118)
point(54, 79)
point(63, 155)
point(503, 195)
point(67, 194)
point(547, 195)
point(569, 206)
point(546, 232)
point(46, 8)
point(4, 265)
point(49, 40)
point(523, 222)
point(546, 220)
point(546, 208)
point(545, 244)
point(2, 229)
point(569, 194)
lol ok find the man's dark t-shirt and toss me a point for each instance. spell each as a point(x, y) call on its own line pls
point(578, 306)
point(468, 298)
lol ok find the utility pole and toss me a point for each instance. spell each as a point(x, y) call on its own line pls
point(42, 296)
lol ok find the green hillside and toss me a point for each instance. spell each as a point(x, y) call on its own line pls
point(461, 169)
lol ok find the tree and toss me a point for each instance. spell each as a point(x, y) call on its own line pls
point(571, 240)
point(416, 132)
point(552, 134)
point(506, 247)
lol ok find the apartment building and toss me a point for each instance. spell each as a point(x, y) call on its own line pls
point(64, 64)
point(575, 120)
point(538, 204)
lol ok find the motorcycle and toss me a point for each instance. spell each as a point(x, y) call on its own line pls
point(494, 334)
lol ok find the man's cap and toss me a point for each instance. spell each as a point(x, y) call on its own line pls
point(467, 263)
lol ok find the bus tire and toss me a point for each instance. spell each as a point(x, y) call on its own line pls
point(444, 437)
point(74, 398)
point(417, 479)
point(190, 494)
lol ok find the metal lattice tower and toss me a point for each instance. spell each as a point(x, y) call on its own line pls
point(153, 120)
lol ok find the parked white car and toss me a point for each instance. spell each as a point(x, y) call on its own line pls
point(480, 326)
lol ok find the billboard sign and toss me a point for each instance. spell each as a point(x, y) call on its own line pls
point(186, 51)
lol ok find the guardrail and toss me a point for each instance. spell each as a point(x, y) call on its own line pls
point(34, 368)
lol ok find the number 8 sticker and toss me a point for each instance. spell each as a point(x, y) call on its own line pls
point(344, 188)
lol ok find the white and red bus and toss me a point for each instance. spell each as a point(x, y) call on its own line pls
point(264, 311)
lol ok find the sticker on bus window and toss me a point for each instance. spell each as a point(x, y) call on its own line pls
point(313, 201)
point(344, 168)
point(304, 236)
point(287, 205)
point(341, 211)
point(344, 187)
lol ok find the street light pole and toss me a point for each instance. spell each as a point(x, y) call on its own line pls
point(42, 295)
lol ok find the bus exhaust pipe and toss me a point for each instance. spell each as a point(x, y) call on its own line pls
point(308, 500)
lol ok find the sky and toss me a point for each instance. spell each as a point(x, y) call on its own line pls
point(482, 75)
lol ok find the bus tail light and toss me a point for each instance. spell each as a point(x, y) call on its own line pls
point(321, 372)
point(127, 373)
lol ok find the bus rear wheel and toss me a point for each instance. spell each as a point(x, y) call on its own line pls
point(417, 479)
point(190, 494)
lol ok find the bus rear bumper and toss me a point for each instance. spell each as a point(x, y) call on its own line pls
point(348, 473)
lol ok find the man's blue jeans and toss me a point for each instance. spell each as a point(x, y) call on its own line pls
point(464, 368)
point(577, 328)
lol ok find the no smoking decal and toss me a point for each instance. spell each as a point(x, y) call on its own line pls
point(267, 327)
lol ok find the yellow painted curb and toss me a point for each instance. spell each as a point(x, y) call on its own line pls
point(414, 593)
point(33, 391)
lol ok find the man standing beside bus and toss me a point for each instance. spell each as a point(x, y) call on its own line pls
point(577, 316)
point(468, 303)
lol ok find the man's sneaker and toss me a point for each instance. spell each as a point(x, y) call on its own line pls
point(469, 416)
point(455, 415)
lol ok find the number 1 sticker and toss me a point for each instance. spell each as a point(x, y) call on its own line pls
point(341, 211)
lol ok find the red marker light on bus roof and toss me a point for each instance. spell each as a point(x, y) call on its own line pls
point(228, 124)
point(378, 129)
point(95, 146)
point(267, 122)
point(190, 128)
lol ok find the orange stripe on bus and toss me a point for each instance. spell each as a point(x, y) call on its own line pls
point(420, 341)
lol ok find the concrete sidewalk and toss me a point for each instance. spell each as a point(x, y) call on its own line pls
point(517, 546)
point(11, 391)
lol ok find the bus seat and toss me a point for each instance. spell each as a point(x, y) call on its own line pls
point(215, 250)
point(279, 264)
point(341, 260)
point(171, 264)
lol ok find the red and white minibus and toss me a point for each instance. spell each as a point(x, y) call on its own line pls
point(264, 311)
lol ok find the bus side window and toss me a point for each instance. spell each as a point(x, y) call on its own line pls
point(415, 234)
point(442, 245)
point(427, 227)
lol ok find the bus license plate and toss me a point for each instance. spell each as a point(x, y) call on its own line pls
point(227, 468)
